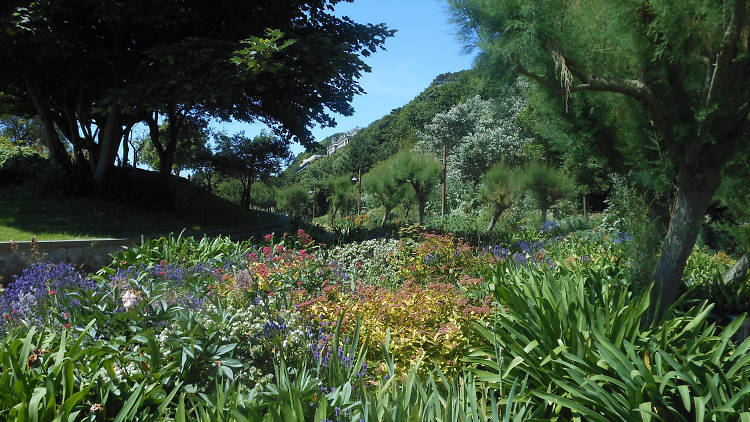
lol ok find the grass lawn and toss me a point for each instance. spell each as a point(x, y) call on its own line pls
point(23, 217)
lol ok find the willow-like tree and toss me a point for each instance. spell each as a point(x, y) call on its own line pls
point(685, 65)
point(421, 171)
point(501, 187)
point(383, 186)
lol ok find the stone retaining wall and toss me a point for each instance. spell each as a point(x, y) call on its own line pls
point(93, 254)
point(87, 254)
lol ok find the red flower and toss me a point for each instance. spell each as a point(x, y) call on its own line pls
point(270, 293)
point(266, 251)
point(52, 292)
point(252, 256)
point(280, 249)
point(269, 237)
point(67, 325)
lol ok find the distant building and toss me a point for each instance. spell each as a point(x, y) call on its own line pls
point(342, 141)
point(306, 162)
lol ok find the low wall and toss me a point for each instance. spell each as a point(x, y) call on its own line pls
point(87, 254)
point(92, 254)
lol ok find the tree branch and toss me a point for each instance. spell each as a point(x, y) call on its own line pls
point(721, 73)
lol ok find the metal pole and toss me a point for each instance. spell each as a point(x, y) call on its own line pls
point(442, 208)
point(359, 193)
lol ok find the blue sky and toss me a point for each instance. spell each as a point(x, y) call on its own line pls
point(425, 45)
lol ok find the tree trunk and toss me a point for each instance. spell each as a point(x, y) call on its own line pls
point(737, 273)
point(57, 153)
point(421, 211)
point(110, 143)
point(544, 214)
point(495, 216)
point(693, 197)
point(385, 216)
point(125, 152)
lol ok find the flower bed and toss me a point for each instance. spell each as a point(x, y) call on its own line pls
point(292, 330)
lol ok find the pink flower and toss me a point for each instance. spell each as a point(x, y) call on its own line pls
point(269, 237)
point(266, 251)
point(252, 256)
point(358, 264)
point(163, 263)
point(67, 315)
point(270, 293)
point(52, 292)
point(280, 249)
point(67, 325)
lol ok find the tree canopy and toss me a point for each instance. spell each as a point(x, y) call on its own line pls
point(116, 64)
point(683, 68)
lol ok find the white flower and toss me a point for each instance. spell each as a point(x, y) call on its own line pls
point(130, 299)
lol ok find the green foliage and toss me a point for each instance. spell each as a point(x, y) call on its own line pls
point(341, 195)
point(262, 195)
point(499, 191)
point(421, 171)
point(381, 183)
point(294, 200)
point(477, 133)
point(547, 185)
point(629, 214)
point(393, 132)
point(249, 159)
point(579, 340)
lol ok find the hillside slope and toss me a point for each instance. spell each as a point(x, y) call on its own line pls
point(384, 137)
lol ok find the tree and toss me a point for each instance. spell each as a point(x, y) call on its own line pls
point(263, 195)
point(250, 159)
point(205, 163)
point(476, 134)
point(684, 66)
point(294, 200)
point(21, 130)
point(120, 63)
point(421, 171)
point(547, 185)
point(382, 184)
point(501, 188)
point(182, 146)
point(342, 195)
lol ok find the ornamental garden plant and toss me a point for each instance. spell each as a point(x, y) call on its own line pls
point(546, 326)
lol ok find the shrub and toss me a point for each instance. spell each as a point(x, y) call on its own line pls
point(431, 321)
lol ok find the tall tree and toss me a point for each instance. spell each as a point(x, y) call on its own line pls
point(119, 63)
point(684, 65)
point(251, 159)
point(421, 171)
